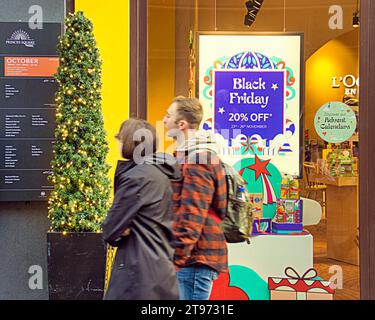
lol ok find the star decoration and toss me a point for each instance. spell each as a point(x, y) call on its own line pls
point(275, 86)
point(260, 167)
point(221, 110)
point(248, 144)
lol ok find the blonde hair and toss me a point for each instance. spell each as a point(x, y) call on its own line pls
point(190, 110)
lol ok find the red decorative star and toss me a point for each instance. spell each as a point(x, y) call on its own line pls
point(260, 167)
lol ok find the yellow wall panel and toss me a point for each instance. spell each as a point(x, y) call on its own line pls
point(161, 62)
point(112, 31)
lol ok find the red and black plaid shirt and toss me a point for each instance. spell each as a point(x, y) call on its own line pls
point(198, 198)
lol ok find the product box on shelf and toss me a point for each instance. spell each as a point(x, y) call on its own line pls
point(289, 188)
point(289, 211)
point(256, 200)
point(286, 228)
point(261, 226)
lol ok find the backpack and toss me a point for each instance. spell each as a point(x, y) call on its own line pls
point(238, 222)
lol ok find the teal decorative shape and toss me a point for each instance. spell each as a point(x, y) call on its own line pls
point(256, 186)
point(250, 282)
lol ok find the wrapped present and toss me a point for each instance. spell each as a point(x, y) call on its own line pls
point(296, 287)
point(261, 226)
point(294, 189)
point(286, 228)
point(256, 200)
point(289, 211)
point(284, 188)
point(289, 188)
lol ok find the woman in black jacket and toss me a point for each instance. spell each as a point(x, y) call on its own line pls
point(139, 222)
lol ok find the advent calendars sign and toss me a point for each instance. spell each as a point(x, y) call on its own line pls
point(249, 102)
point(28, 62)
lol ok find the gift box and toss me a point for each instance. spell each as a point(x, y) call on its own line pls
point(289, 188)
point(286, 228)
point(296, 287)
point(294, 190)
point(289, 211)
point(256, 200)
point(261, 226)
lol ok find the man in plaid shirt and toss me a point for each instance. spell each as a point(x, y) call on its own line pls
point(200, 202)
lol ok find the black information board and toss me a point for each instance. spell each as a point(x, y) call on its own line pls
point(28, 61)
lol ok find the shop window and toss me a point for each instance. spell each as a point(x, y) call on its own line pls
point(229, 54)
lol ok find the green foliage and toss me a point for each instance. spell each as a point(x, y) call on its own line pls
point(80, 200)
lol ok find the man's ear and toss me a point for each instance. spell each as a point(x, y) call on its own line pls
point(183, 125)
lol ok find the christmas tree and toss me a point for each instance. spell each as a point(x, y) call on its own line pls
point(80, 199)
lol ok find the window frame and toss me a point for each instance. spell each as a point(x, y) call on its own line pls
point(138, 107)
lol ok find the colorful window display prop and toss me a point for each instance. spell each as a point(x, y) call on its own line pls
point(289, 215)
point(289, 211)
point(286, 228)
point(262, 177)
point(296, 287)
point(256, 200)
point(261, 226)
point(289, 188)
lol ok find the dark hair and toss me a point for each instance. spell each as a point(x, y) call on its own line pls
point(132, 133)
point(190, 110)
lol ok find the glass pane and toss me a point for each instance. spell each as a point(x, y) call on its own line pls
point(288, 83)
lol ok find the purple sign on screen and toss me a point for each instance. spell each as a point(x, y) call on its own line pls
point(250, 102)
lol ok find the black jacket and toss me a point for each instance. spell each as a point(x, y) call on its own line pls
point(143, 268)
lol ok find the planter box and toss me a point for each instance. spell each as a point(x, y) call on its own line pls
point(76, 266)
